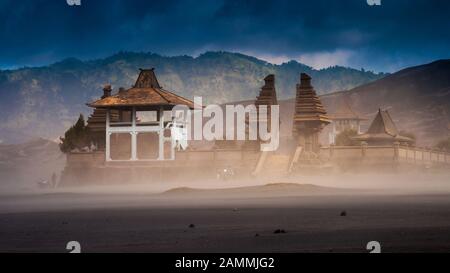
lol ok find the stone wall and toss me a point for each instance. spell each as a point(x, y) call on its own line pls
point(91, 168)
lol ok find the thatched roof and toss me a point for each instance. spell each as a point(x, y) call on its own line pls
point(382, 128)
point(145, 92)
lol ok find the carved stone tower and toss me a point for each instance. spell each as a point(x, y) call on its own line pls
point(309, 118)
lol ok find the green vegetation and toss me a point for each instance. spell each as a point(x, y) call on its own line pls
point(77, 137)
point(344, 138)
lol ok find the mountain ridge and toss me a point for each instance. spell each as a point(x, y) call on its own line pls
point(44, 101)
point(417, 97)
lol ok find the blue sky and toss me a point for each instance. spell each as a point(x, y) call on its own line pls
point(320, 33)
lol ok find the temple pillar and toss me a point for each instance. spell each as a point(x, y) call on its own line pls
point(396, 150)
point(133, 135)
point(133, 145)
point(161, 134)
point(107, 137)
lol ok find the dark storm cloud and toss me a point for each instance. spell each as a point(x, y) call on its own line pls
point(395, 34)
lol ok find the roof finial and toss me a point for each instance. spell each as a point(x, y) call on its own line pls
point(147, 79)
point(305, 80)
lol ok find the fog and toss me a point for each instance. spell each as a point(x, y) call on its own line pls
point(320, 212)
point(194, 188)
point(200, 209)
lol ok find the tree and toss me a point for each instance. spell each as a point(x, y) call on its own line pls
point(76, 137)
point(444, 145)
point(344, 138)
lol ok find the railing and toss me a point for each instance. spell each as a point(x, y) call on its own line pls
point(399, 153)
point(422, 156)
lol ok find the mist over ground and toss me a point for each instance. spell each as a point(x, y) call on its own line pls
point(326, 210)
point(329, 213)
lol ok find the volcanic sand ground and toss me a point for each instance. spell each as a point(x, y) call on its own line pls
point(240, 219)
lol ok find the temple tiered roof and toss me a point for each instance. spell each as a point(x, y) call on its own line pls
point(382, 129)
point(267, 95)
point(145, 92)
point(309, 111)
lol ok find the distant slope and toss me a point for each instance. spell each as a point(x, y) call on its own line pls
point(418, 99)
point(45, 101)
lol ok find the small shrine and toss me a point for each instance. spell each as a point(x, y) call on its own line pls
point(382, 131)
